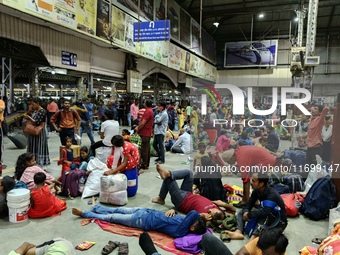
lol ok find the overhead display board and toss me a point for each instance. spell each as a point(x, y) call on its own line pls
point(251, 54)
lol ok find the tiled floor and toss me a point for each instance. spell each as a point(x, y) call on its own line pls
point(300, 230)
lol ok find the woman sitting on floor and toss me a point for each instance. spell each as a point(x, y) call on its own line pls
point(26, 168)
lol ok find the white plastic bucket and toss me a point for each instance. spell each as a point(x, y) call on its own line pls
point(18, 201)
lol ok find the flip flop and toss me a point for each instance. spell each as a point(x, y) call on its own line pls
point(317, 240)
point(123, 249)
point(109, 247)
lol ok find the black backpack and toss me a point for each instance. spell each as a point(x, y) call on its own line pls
point(212, 188)
point(320, 198)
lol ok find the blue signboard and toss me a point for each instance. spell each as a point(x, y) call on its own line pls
point(151, 31)
point(68, 58)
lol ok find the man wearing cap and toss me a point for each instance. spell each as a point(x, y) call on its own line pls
point(247, 157)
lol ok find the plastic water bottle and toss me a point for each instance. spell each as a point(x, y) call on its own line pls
point(81, 184)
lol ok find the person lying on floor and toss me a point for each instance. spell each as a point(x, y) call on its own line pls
point(147, 219)
point(271, 241)
point(56, 246)
point(266, 214)
point(183, 199)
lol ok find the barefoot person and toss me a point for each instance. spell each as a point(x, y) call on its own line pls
point(147, 219)
point(262, 192)
point(183, 199)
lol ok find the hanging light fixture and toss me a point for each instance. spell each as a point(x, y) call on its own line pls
point(216, 23)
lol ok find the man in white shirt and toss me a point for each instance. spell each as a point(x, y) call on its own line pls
point(183, 144)
point(109, 128)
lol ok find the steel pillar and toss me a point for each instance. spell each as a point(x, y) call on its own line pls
point(310, 40)
point(6, 78)
point(300, 14)
point(90, 84)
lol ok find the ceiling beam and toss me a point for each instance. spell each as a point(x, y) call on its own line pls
point(321, 32)
point(267, 21)
point(220, 10)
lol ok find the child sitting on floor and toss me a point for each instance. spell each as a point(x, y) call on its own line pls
point(43, 203)
point(67, 160)
point(200, 154)
point(85, 157)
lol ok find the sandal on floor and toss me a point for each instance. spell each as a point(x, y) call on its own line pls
point(317, 240)
point(109, 247)
point(123, 249)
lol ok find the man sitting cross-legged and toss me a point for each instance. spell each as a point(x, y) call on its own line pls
point(147, 219)
point(184, 200)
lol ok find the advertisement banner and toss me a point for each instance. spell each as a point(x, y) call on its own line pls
point(185, 28)
point(251, 54)
point(103, 25)
point(75, 14)
point(195, 36)
point(129, 43)
point(159, 10)
point(40, 7)
point(118, 26)
point(194, 65)
point(86, 15)
point(161, 52)
point(174, 59)
point(65, 13)
point(131, 6)
point(183, 59)
point(208, 47)
point(173, 16)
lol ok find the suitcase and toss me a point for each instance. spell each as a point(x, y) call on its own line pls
point(19, 140)
point(70, 182)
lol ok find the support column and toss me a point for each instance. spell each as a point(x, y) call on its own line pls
point(61, 90)
point(81, 88)
point(35, 86)
point(90, 84)
point(6, 81)
point(113, 92)
point(155, 88)
point(300, 14)
point(310, 40)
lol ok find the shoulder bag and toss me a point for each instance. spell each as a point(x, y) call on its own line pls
point(31, 129)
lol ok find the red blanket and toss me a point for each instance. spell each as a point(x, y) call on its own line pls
point(161, 240)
